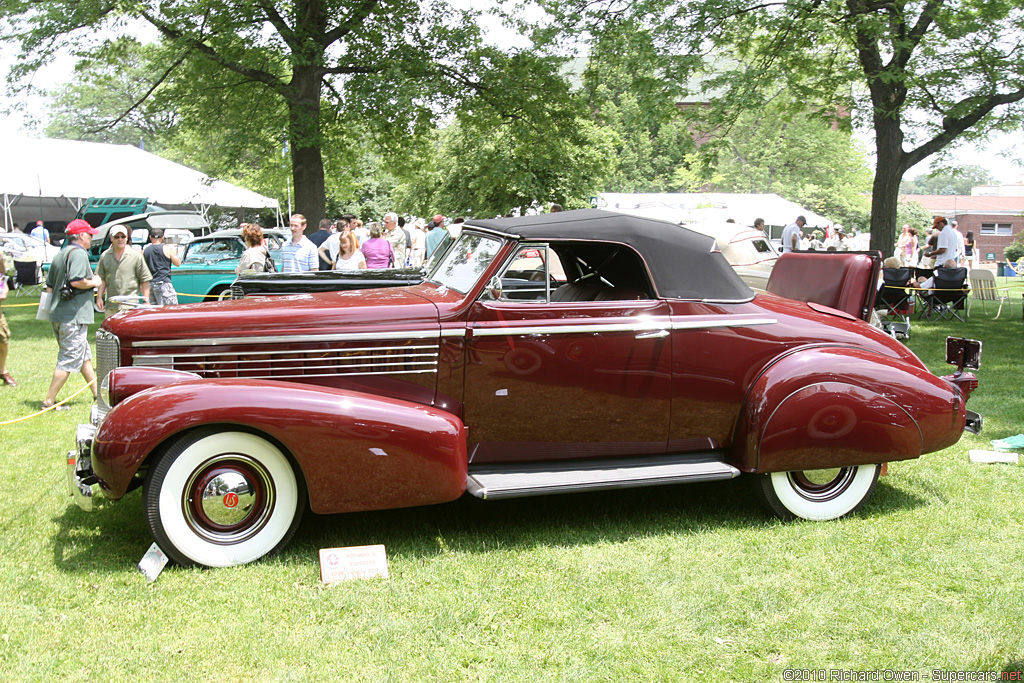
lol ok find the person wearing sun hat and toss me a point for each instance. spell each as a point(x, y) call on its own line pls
point(70, 317)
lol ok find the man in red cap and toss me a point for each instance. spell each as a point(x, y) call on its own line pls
point(71, 313)
point(435, 234)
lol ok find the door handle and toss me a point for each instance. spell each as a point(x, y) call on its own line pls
point(653, 334)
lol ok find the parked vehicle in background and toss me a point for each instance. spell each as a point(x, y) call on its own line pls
point(565, 352)
point(747, 250)
point(100, 210)
point(140, 224)
point(208, 265)
point(17, 245)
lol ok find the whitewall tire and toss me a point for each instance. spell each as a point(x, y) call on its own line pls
point(817, 494)
point(222, 498)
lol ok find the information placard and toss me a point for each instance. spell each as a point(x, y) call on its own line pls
point(355, 562)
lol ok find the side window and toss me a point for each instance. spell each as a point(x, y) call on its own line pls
point(532, 274)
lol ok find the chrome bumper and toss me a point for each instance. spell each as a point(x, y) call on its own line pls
point(80, 476)
point(974, 422)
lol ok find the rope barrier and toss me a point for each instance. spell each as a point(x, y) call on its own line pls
point(46, 410)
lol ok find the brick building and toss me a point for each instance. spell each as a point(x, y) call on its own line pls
point(995, 221)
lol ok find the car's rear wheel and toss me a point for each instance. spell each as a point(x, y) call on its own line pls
point(222, 498)
point(817, 494)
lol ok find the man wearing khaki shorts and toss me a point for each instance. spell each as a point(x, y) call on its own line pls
point(5, 332)
point(71, 317)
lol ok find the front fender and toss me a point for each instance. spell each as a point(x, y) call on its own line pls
point(356, 451)
point(831, 407)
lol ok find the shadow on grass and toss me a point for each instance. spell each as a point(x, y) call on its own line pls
point(116, 534)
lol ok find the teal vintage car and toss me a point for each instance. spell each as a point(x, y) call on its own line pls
point(208, 266)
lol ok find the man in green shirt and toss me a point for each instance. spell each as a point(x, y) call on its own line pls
point(70, 318)
point(123, 272)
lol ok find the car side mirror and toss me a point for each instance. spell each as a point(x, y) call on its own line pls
point(494, 288)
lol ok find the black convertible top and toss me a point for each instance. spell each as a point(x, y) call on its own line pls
point(681, 261)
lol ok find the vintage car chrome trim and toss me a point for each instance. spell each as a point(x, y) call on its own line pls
point(707, 324)
point(536, 479)
point(79, 467)
point(290, 338)
point(491, 231)
point(636, 326)
point(973, 422)
point(291, 363)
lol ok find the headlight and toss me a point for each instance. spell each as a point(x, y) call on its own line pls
point(105, 389)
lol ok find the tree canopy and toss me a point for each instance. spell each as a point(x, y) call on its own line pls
point(385, 68)
point(922, 74)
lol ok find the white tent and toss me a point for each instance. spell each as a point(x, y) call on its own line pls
point(50, 179)
point(696, 207)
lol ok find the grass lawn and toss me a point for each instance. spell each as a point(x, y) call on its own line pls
point(668, 584)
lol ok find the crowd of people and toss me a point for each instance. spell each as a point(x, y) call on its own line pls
point(347, 244)
point(936, 245)
point(794, 239)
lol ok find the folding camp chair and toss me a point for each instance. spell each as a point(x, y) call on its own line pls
point(895, 301)
point(983, 289)
point(28, 278)
point(947, 296)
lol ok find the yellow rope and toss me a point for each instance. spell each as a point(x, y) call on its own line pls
point(46, 410)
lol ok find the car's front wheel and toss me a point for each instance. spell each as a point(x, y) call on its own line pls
point(817, 494)
point(222, 498)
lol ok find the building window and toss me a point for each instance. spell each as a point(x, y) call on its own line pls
point(997, 229)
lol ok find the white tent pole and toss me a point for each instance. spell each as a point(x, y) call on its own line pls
point(8, 218)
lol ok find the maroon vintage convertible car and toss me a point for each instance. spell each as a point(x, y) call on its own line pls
point(567, 352)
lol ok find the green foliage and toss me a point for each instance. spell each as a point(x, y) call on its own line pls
point(781, 148)
point(1015, 252)
point(957, 180)
point(521, 141)
point(628, 93)
point(920, 75)
point(913, 214)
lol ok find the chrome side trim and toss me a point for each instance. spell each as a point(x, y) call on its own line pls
point(708, 324)
point(301, 363)
point(290, 338)
point(636, 326)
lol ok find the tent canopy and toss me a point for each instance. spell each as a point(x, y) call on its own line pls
point(695, 207)
point(55, 176)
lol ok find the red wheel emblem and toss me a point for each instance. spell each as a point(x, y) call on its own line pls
point(230, 500)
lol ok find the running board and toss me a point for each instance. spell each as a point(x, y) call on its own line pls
point(538, 479)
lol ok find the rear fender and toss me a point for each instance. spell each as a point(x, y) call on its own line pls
point(356, 451)
point(831, 407)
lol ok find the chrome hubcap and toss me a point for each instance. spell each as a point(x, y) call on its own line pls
point(228, 498)
point(823, 484)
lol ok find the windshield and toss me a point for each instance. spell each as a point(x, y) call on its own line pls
point(466, 261)
point(206, 250)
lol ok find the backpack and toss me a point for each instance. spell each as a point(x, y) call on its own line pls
point(269, 266)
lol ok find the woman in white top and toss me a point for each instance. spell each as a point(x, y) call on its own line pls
point(349, 256)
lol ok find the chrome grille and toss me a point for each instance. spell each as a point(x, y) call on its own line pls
point(108, 349)
point(413, 357)
point(236, 292)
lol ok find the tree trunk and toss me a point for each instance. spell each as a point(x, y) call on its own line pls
point(304, 134)
point(890, 160)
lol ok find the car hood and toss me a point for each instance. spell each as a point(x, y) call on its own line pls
point(380, 311)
